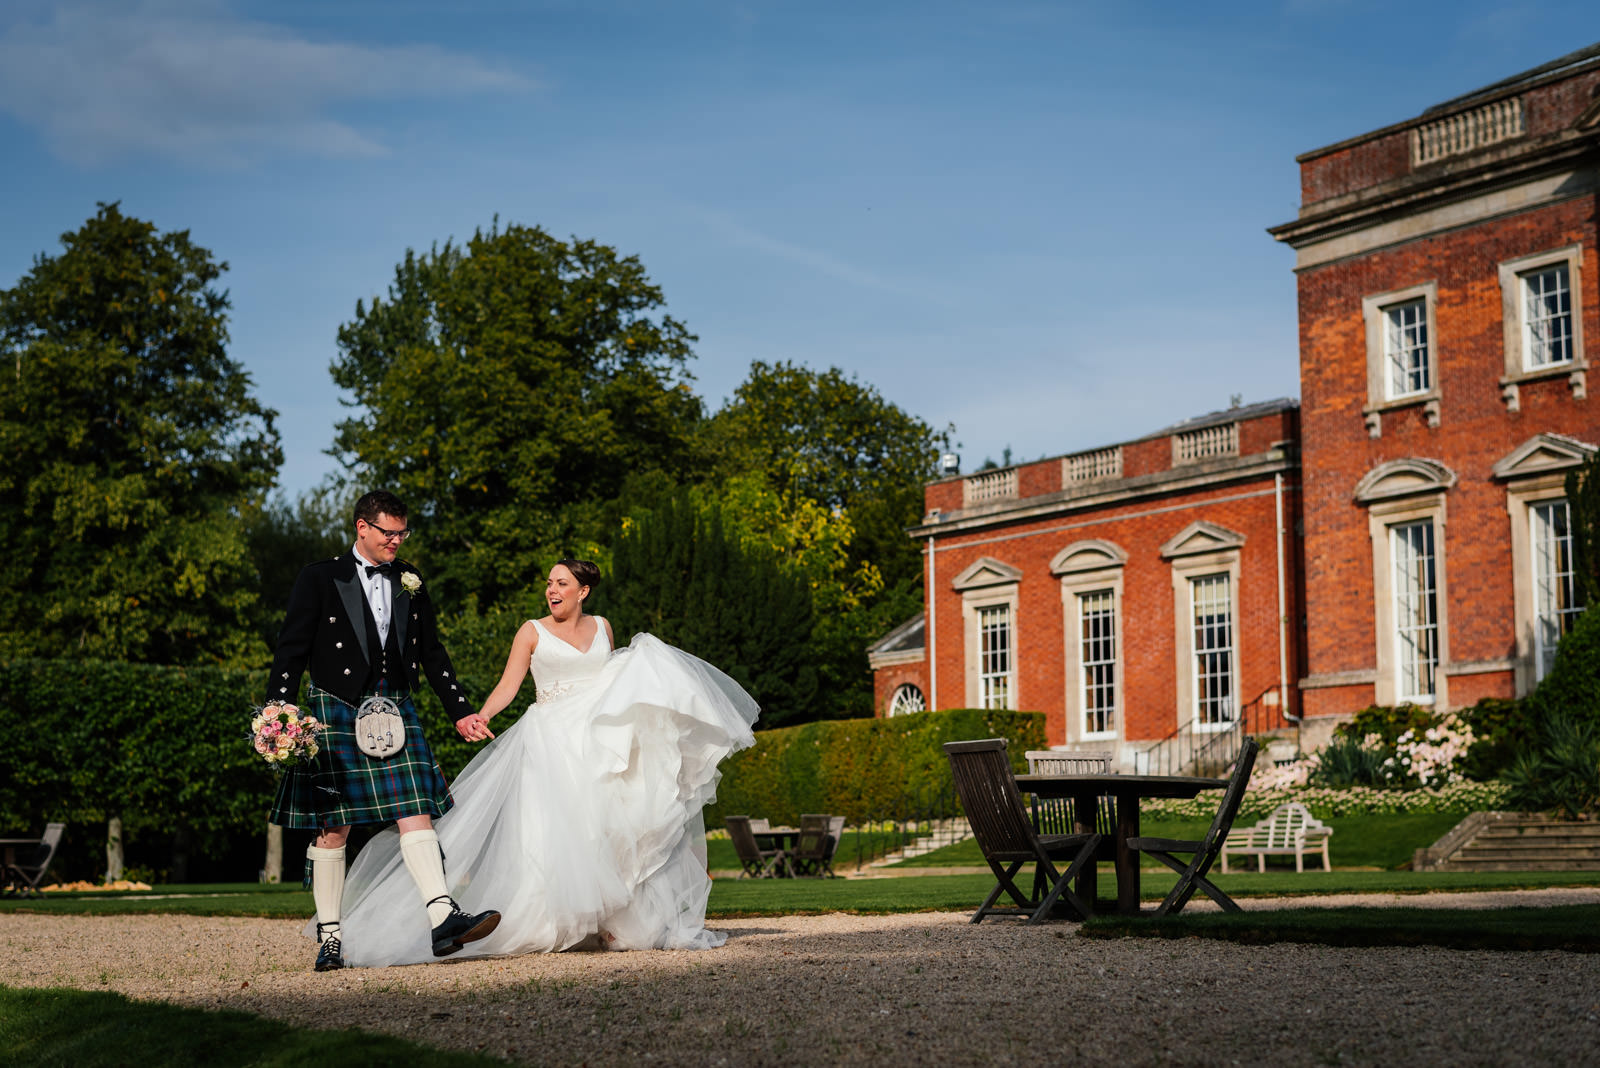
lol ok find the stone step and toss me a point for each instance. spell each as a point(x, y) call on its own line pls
point(1476, 853)
point(1584, 831)
point(1518, 865)
point(1514, 841)
point(1550, 844)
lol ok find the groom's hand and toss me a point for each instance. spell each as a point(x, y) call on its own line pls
point(474, 728)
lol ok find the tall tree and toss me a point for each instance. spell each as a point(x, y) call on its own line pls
point(133, 446)
point(284, 536)
point(830, 438)
point(679, 573)
point(505, 389)
point(832, 448)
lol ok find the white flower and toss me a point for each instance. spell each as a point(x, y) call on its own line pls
point(411, 582)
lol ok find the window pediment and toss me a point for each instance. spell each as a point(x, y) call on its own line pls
point(986, 571)
point(1542, 454)
point(1202, 537)
point(1095, 554)
point(1404, 478)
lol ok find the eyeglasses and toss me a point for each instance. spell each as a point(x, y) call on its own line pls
point(390, 535)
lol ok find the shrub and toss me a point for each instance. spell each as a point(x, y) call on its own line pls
point(1327, 803)
point(1561, 773)
point(1573, 684)
point(161, 747)
point(1346, 761)
point(865, 769)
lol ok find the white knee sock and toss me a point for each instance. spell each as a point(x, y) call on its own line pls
point(426, 864)
point(327, 888)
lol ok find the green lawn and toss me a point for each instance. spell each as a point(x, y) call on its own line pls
point(776, 897)
point(1575, 928)
point(63, 1028)
point(1385, 842)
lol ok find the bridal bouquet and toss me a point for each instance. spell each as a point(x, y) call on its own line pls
point(284, 737)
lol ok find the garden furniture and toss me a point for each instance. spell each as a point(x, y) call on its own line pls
point(835, 835)
point(1054, 815)
point(757, 862)
point(993, 806)
point(1290, 829)
point(27, 859)
point(1192, 876)
point(811, 847)
point(1126, 791)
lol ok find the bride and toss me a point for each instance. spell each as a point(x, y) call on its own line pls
point(583, 818)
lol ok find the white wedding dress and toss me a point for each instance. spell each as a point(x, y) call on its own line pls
point(582, 817)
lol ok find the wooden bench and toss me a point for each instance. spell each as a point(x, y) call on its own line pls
point(1291, 829)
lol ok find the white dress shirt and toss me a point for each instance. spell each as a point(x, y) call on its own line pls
point(380, 595)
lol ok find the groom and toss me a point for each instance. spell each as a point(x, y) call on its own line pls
point(364, 625)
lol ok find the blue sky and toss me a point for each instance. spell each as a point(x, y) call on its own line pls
point(1041, 222)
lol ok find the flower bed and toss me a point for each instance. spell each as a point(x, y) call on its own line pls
point(1326, 802)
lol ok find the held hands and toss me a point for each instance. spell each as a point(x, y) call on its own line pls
point(474, 728)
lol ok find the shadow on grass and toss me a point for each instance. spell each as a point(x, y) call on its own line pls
point(1575, 928)
point(52, 1026)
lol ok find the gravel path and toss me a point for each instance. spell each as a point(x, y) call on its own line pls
point(844, 989)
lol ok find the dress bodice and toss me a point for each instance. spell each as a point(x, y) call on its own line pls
point(560, 668)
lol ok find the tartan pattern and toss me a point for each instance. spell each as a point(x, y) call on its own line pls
point(345, 786)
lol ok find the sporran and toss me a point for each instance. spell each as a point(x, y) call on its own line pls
point(380, 732)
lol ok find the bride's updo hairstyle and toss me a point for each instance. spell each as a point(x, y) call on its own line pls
point(586, 572)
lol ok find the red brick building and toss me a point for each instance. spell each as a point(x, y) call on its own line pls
point(1447, 279)
point(1128, 593)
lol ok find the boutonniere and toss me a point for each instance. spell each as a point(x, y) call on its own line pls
point(411, 582)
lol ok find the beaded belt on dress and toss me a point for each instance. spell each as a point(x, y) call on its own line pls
point(545, 693)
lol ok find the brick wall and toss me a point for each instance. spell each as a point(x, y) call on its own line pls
point(1475, 431)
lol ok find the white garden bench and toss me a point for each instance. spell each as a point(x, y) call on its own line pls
point(1291, 829)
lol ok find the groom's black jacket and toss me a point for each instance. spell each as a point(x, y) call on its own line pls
point(329, 629)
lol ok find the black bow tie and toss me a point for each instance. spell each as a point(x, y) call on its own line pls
point(379, 569)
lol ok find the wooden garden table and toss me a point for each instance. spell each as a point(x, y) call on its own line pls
point(1127, 791)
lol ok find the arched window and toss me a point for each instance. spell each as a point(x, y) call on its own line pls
point(907, 698)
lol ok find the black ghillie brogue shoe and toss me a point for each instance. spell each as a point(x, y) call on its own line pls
point(330, 955)
point(459, 928)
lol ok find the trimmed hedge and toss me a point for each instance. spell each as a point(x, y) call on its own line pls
point(164, 748)
point(863, 769)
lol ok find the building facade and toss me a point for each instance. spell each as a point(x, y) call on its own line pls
point(1446, 270)
point(1129, 593)
point(1400, 534)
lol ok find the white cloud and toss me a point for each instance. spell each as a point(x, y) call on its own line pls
point(190, 79)
point(822, 263)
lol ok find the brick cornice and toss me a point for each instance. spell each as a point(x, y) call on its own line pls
point(1426, 187)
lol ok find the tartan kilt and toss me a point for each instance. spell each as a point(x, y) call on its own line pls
point(344, 786)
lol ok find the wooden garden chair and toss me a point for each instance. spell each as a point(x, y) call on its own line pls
point(1192, 875)
point(1000, 823)
point(835, 835)
point(758, 863)
point(1054, 815)
point(27, 873)
point(811, 848)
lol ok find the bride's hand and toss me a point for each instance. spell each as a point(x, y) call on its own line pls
point(474, 728)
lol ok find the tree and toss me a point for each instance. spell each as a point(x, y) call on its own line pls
point(133, 447)
point(833, 451)
point(506, 389)
point(1583, 498)
point(678, 573)
point(833, 440)
point(284, 537)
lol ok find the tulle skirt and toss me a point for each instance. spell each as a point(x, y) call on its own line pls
point(582, 817)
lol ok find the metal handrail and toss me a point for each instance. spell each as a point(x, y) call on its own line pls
point(1187, 750)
